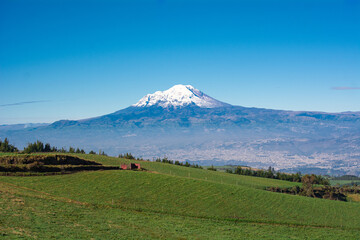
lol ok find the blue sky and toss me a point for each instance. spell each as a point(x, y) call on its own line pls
point(74, 59)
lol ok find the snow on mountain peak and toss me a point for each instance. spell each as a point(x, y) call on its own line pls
point(179, 96)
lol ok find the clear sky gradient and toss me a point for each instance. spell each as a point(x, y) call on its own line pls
point(74, 59)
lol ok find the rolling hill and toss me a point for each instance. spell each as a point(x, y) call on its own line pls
point(167, 202)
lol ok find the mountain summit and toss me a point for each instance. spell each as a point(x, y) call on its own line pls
point(179, 96)
point(183, 123)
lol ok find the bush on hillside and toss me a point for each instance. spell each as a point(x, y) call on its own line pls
point(6, 147)
point(127, 156)
point(309, 190)
point(211, 168)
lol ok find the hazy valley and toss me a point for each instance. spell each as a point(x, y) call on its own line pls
point(185, 124)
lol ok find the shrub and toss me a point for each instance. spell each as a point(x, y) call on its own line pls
point(6, 147)
point(211, 168)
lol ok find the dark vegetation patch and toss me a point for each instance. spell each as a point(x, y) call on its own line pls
point(24, 163)
point(346, 177)
point(186, 164)
point(45, 160)
point(36, 167)
point(47, 164)
point(271, 173)
point(326, 192)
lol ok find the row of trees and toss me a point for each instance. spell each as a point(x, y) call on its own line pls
point(127, 156)
point(271, 173)
point(186, 164)
point(39, 146)
point(131, 157)
point(161, 160)
point(309, 190)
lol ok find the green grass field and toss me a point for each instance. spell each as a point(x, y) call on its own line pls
point(343, 182)
point(165, 202)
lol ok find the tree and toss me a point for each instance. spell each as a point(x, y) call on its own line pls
point(248, 172)
point(54, 149)
point(130, 156)
point(63, 150)
point(270, 173)
point(34, 147)
point(211, 168)
point(239, 170)
point(47, 147)
point(307, 185)
point(6, 147)
point(297, 177)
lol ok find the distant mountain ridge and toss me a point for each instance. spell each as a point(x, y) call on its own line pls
point(8, 127)
point(184, 123)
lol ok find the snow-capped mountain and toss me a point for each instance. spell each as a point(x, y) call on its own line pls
point(183, 123)
point(179, 96)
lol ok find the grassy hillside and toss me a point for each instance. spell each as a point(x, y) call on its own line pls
point(344, 182)
point(168, 202)
point(187, 172)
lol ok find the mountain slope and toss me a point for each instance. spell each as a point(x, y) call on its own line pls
point(185, 124)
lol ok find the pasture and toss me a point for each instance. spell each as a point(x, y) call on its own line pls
point(165, 202)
